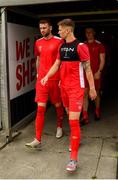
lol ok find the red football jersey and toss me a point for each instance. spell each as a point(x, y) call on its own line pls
point(95, 49)
point(47, 50)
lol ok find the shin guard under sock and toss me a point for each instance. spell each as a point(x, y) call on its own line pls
point(75, 138)
point(39, 124)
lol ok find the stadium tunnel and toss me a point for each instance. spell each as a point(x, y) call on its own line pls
point(19, 23)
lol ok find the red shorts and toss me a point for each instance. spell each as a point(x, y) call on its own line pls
point(72, 98)
point(51, 90)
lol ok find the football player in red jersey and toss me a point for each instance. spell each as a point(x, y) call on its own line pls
point(46, 49)
point(71, 59)
point(97, 60)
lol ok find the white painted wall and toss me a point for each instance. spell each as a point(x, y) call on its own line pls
point(28, 2)
point(0, 73)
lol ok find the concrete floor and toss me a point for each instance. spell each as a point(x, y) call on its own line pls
point(97, 155)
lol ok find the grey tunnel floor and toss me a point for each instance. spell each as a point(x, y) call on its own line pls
point(97, 153)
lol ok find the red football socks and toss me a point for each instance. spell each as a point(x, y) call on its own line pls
point(39, 124)
point(85, 116)
point(60, 114)
point(97, 111)
point(74, 138)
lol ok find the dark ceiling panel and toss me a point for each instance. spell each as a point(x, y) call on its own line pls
point(80, 10)
point(77, 6)
point(88, 11)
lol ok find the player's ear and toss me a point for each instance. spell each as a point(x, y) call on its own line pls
point(94, 33)
point(68, 29)
point(51, 28)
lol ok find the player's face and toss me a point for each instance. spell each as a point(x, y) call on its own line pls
point(63, 32)
point(89, 33)
point(45, 29)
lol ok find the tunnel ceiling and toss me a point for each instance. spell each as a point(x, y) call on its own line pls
point(81, 10)
point(77, 6)
point(71, 7)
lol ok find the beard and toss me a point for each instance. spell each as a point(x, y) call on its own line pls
point(46, 35)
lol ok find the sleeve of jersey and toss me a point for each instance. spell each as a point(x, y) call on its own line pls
point(36, 51)
point(102, 48)
point(83, 52)
point(58, 53)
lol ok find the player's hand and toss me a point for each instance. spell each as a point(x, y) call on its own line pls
point(44, 80)
point(97, 75)
point(92, 93)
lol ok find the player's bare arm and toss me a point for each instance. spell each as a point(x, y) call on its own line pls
point(101, 66)
point(90, 79)
point(37, 64)
point(51, 72)
point(102, 61)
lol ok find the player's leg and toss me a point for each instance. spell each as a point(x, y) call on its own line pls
point(55, 97)
point(41, 99)
point(75, 107)
point(98, 100)
point(85, 118)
